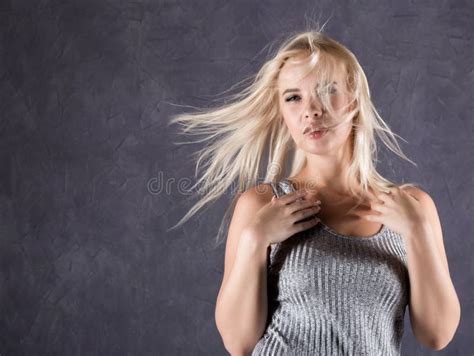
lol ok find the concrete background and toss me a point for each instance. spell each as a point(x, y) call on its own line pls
point(87, 267)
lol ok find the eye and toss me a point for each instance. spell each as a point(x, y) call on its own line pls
point(291, 97)
point(329, 89)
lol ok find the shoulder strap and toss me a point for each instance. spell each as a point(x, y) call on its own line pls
point(277, 189)
point(287, 186)
point(282, 187)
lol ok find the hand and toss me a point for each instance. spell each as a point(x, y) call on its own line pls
point(285, 216)
point(397, 209)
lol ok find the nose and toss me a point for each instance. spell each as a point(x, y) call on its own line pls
point(314, 108)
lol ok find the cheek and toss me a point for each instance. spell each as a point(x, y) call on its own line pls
point(290, 111)
point(290, 119)
point(338, 102)
point(293, 128)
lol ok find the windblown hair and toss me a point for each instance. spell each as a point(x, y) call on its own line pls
point(250, 125)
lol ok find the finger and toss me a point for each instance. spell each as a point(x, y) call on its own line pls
point(293, 196)
point(370, 217)
point(372, 196)
point(378, 207)
point(383, 197)
point(303, 213)
point(377, 197)
point(394, 191)
point(412, 196)
point(304, 225)
point(312, 196)
point(304, 203)
point(407, 192)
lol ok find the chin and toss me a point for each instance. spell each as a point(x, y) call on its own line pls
point(316, 150)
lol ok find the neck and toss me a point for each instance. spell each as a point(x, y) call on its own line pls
point(326, 171)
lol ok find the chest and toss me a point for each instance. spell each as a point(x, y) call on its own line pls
point(345, 221)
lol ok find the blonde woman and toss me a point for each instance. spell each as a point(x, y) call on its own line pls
point(322, 261)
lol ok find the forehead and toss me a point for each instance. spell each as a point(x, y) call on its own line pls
point(292, 72)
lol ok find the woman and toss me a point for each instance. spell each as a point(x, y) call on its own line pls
point(325, 260)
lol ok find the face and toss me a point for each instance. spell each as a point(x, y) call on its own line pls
point(301, 108)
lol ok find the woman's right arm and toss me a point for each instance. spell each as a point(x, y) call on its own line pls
point(258, 221)
point(241, 307)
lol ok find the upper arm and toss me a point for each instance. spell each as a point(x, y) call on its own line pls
point(430, 211)
point(429, 207)
point(247, 205)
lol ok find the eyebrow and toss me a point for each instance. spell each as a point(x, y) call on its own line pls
point(292, 90)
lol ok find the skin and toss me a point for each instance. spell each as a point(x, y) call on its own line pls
point(410, 212)
point(327, 158)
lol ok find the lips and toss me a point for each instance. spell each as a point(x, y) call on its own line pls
point(322, 130)
point(316, 134)
point(311, 129)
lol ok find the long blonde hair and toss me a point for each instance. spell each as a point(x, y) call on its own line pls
point(243, 130)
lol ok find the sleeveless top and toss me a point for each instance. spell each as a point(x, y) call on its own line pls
point(334, 294)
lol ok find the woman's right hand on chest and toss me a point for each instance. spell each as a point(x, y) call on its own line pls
point(285, 216)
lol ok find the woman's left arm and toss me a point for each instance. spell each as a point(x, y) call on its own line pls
point(435, 310)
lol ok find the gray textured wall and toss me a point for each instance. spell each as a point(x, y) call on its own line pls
point(86, 265)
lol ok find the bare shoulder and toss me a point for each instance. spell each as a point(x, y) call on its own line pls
point(259, 194)
point(248, 203)
point(428, 207)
